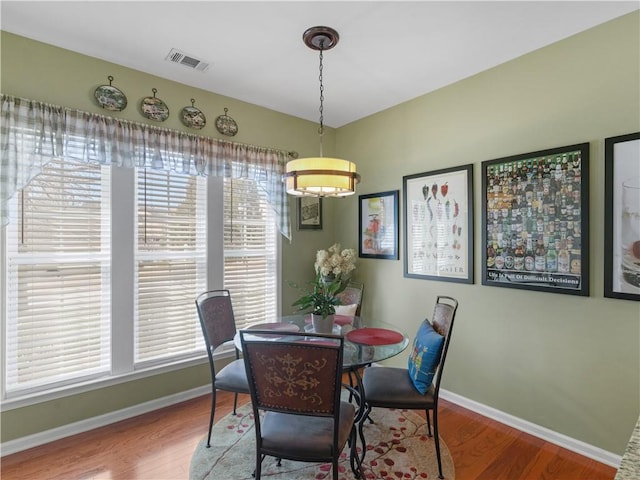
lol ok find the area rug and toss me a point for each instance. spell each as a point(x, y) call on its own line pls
point(397, 448)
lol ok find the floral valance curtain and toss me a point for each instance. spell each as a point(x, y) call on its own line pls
point(32, 133)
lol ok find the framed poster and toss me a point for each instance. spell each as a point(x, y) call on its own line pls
point(622, 217)
point(535, 221)
point(438, 225)
point(309, 213)
point(378, 230)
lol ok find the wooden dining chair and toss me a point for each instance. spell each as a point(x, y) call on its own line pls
point(418, 386)
point(351, 299)
point(215, 311)
point(351, 304)
point(295, 387)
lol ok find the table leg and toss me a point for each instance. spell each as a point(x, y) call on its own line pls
point(355, 392)
point(361, 415)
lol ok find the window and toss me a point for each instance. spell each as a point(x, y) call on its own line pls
point(250, 253)
point(103, 266)
point(170, 263)
point(58, 271)
point(100, 265)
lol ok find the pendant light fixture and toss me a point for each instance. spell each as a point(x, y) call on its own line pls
point(321, 176)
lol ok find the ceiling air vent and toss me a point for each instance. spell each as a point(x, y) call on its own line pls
point(181, 58)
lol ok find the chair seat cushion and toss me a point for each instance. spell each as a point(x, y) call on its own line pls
point(391, 387)
point(425, 356)
point(303, 437)
point(233, 377)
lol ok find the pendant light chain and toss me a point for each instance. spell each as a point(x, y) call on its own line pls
point(319, 176)
point(321, 129)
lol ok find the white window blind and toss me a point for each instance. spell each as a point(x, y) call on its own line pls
point(170, 264)
point(58, 272)
point(250, 253)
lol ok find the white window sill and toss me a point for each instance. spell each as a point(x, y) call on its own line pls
point(96, 384)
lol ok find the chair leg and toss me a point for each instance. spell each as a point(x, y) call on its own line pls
point(428, 423)
point(258, 471)
point(437, 441)
point(235, 402)
point(211, 415)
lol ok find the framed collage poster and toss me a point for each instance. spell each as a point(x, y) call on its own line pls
point(309, 213)
point(535, 221)
point(438, 225)
point(378, 230)
point(622, 217)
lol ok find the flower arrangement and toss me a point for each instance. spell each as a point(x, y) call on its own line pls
point(335, 263)
point(322, 296)
point(333, 268)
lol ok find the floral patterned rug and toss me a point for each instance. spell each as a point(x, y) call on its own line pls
point(397, 448)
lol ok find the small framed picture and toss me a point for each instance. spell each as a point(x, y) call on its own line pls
point(535, 221)
point(622, 217)
point(438, 225)
point(309, 213)
point(378, 231)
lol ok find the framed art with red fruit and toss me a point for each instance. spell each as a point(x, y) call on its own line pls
point(622, 217)
point(438, 225)
point(378, 230)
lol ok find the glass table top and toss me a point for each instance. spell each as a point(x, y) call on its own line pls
point(369, 346)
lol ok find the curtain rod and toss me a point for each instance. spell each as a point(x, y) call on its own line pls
point(290, 153)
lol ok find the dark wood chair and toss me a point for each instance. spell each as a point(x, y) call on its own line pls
point(295, 390)
point(351, 304)
point(391, 387)
point(218, 327)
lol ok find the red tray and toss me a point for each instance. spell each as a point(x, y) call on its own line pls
point(374, 336)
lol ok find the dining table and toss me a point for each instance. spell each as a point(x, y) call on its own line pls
point(365, 341)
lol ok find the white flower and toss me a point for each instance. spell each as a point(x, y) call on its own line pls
point(334, 261)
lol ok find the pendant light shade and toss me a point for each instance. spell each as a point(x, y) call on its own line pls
point(321, 176)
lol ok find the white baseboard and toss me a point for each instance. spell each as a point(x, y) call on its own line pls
point(40, 438)
point(543, 433)
point(582, 448)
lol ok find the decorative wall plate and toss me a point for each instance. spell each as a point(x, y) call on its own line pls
point(193, 117)
point(109, 97)
point(153, 108)
point(226, 125)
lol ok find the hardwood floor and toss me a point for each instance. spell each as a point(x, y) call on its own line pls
point(158, 446)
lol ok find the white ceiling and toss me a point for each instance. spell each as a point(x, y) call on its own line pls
point(389, 51)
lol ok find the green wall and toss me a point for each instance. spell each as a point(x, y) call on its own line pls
point(42, 72)
point(567, 363)
point(570, 364)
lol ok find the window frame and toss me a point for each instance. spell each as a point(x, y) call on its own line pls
point(47, 253)
point(123, 200)
point(142, 255)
